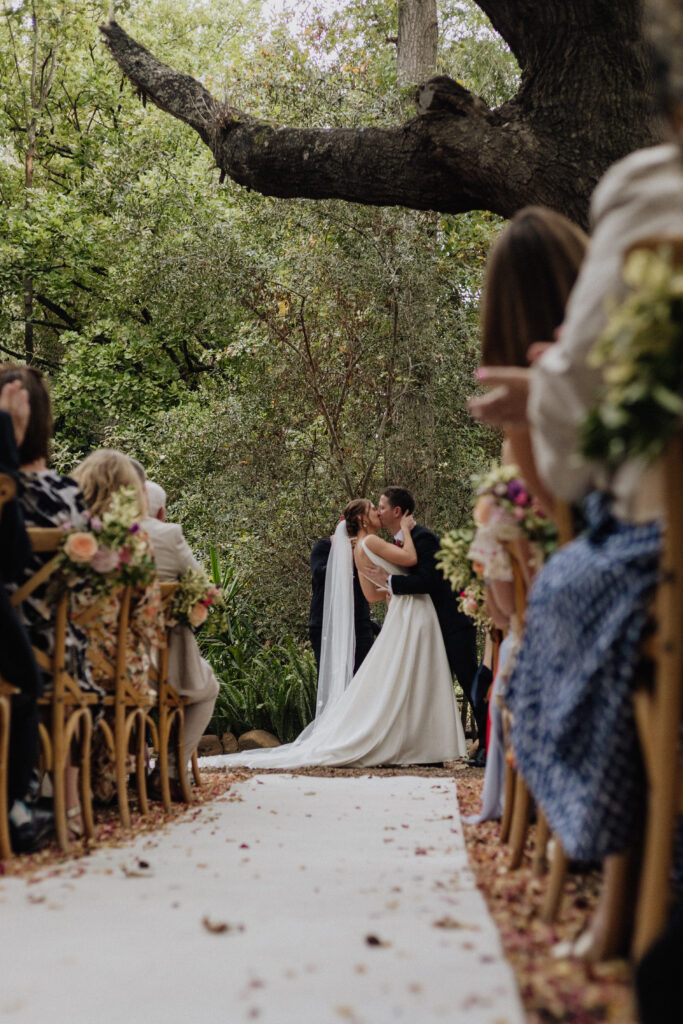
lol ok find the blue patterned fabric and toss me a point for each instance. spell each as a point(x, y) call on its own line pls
point(574, 734)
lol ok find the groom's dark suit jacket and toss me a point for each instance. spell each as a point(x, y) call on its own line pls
point(458, 630)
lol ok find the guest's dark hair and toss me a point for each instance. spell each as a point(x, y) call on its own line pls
point(399, 497)
point(530, 272)
point(36, 443)
point(354, 514)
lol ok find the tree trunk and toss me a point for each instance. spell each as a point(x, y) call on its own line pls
point(418, 37)
point(584, 102)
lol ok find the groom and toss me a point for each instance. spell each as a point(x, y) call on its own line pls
point(459, 632)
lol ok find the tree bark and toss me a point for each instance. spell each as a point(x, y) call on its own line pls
point(584, 102)
point(418, 37)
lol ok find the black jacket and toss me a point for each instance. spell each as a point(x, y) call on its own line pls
point(17, 665)
point(426, 578)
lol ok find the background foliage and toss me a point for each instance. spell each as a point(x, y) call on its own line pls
point(266, 360)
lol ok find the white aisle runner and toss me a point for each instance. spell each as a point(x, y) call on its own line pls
point(310, 901)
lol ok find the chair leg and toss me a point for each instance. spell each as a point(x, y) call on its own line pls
point(84, 775)
point(508, 802)
point(141, 763)
point(5, 843)
point(520, 823)
point(180, 759)
point(540, 862)
point(196, 774)
point(555, 890)
point(121, 736)
point(165, 728)
point(614, 917)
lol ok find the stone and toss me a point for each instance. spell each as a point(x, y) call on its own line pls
point(229, 743)
point(209, 746)
point(256, 738)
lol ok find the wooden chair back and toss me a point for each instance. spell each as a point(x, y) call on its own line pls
point(8, 489)
point(169, 727)
point(125, 722)
point(68, 704)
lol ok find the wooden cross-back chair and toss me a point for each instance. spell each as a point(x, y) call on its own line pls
point(127, 706)
point(518, 799)
point(658, 709)
point(169, 726)
point(69, 706)
point(8, 489)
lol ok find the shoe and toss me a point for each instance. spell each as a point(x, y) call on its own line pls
point(478, 760)
point(30, 827)
point(74, 822)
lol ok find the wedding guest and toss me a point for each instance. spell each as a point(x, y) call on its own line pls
point(30, 826)
point(188, 673)
point(530, 273)
point(102, 475)
point(366, 627)
point(457, 629)
point(574, 734)
point(48, 499)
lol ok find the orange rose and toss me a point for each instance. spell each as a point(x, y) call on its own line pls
point(80, 547)
point(198, 615)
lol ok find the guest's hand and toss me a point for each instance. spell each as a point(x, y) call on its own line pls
point(505, 405)
point(378, 576)
point(407, 522)
point(14, 401)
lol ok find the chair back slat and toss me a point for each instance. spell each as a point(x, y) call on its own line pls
point(8, 488)
point(41, 576)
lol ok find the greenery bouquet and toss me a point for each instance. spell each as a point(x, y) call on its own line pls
point(195, 599)
point(640, 353)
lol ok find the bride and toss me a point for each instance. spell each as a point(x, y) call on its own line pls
point(400, 707)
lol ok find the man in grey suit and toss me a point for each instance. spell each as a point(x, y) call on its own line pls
point(189, 674)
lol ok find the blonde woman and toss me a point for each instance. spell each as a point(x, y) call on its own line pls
point(100, 476)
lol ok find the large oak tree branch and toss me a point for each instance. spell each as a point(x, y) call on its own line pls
point(582, 104)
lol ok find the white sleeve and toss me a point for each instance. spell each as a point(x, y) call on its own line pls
point(640, 197)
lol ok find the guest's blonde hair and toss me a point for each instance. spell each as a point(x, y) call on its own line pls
point(102, 474)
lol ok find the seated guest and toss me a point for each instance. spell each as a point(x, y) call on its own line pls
point(365, 627)
point(47, 500)
point(574, 733)
point(530, 273)
point(102, 475)
point(189, 674)
point(30, 826)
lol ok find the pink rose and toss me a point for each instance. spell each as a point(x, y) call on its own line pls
point(521, 498)
point(197, 616)
point(105, 560)
point(96, 524)
point(80, 547)
point(519, 514)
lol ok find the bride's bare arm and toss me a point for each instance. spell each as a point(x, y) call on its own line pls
point(405, 556)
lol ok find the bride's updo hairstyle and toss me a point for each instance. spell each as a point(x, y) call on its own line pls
point(355, 513)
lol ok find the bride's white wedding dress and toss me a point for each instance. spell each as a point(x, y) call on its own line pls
point(399, 708)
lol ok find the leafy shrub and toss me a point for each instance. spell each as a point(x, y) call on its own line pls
point(261, 686)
